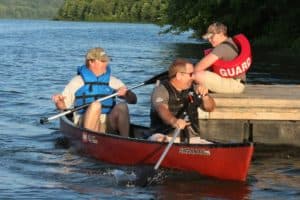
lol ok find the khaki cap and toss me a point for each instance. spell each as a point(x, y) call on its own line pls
point(214, 28)
point(97, 54)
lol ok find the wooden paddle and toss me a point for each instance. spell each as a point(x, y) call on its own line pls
point(152, 80)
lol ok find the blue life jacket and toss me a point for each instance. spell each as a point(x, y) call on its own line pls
point(94, 88)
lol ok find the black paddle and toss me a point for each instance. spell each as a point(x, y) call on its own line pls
point(152, 80)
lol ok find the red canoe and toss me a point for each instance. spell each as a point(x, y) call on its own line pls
point(222, 161)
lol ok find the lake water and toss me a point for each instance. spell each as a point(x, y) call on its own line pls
point(37, 60)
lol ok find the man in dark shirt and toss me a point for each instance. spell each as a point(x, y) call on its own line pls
point(171, 98)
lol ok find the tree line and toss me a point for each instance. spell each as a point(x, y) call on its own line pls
point(267, 23)
point(113, 10)
point(30, 9)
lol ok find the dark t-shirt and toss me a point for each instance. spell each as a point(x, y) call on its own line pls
point(159, 95)
point(224, 51)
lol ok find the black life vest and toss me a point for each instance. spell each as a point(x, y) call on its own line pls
point(180, 103)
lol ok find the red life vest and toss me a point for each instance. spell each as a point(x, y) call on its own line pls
point(237, 66)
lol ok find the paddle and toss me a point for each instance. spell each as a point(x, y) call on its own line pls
point(152, 80)
point(150, 174)
point(163, 155)
point(146, 176)
point(175, 134)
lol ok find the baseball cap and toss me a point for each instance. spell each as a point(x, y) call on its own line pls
point(97, 54)
point(214, 28)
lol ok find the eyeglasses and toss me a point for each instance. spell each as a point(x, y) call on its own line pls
point(191, 74)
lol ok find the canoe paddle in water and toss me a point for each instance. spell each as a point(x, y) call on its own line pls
point(175, 135)
point(163, 155)
point(152, 173)
point(146, 175)
point(152, 80)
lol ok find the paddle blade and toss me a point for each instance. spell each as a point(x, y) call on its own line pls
point(44, 120)
point(161, 76)
point(146, 175)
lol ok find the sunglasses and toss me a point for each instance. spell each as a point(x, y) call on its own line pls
point(190, 74)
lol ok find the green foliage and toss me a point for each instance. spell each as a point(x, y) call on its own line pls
point(114, 10)
point(29, 8)
point(266, 23)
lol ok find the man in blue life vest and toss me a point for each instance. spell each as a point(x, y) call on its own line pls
point(174, 97)
point(94, 81)
point(223, 68)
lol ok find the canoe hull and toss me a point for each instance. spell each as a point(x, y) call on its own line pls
point(222, 161)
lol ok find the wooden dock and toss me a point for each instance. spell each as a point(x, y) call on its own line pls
point(268, 114)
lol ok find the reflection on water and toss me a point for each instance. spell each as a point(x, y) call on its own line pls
point(193, 186)
point(192, 51)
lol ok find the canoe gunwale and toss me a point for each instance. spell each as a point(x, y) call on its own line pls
point(140, 140)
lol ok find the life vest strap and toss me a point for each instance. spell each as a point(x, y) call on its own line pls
point(236, 49)
point(91, 96)
point(97, 83)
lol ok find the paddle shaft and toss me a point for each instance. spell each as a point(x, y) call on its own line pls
point(163, 155)
point(44, 120)
point(175, 134)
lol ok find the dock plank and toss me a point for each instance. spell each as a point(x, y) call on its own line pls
point(265, 114)
point(258, 102)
